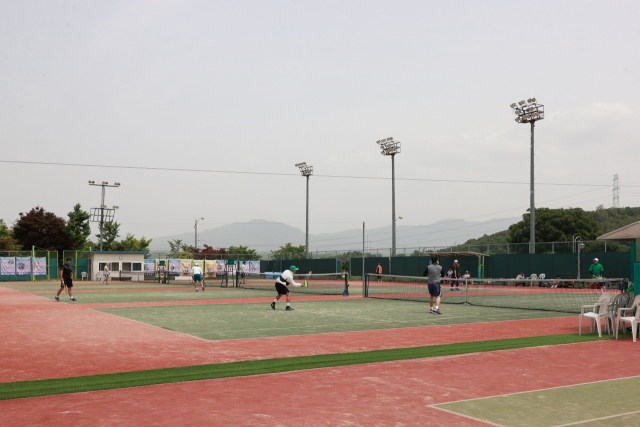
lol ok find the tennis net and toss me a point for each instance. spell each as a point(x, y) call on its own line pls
point(320, 284)
point(560, 295)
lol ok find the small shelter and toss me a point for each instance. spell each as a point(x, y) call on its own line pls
point(124, 265)
point(628, 233)
point(465, 254)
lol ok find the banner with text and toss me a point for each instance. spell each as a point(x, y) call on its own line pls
point(210, 268)
point(40, 266)
point(149, 267)
point(8, 266)
point(174, 267)
point(23, 266)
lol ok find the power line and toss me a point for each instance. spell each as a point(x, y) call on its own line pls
point(462, 181)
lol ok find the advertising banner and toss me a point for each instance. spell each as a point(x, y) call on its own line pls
point(185, 267)
point(23, 266)
point(174, 267)
point(254, 267)
point(220, 263)
point(40, 266)
point(8, 266)
point(210, 268)
point(149, 267)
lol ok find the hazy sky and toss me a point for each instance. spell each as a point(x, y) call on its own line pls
point(259, 86)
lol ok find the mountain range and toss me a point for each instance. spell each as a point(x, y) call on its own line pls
point(265, 236)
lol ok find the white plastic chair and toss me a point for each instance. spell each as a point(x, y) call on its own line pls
point(599, 312)
point(84, 275)
point(99, 276)
point(620, 301)
point(634, 320)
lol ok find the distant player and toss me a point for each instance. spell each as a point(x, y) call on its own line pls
point(66, 274)
point(596, 270)
point(433, 273)
point(196, 272)
point(286, 278)
point(379, 271)
point(244, 269)
point(106, 274)
point(456, 273)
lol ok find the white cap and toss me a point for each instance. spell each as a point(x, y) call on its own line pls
point(596, 259)
point(455, 260)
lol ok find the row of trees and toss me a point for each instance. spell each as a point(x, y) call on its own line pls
point(45, 230)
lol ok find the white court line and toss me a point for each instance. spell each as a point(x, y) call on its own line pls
point(466, 416)
point(597, 419)
point(544, 389)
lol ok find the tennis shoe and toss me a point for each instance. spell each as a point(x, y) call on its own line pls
point(273, 305)
point(437, 311)
point(289, 308)
point(57, 298)
point(72, 299)
point(458, 289)
point(196, 289)
point(432, 310)
point(451, 289)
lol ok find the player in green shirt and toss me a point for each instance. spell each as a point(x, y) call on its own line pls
point(596, 270)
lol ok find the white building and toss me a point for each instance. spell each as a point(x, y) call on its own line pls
point(124, 265)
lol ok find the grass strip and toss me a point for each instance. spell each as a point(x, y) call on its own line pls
point(24, 389)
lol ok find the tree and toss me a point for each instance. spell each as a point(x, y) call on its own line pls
point(130, 243)
point(42, 229)
point(243, 250)
point(6, 238)
point(555, 225)
point(289, 249)
point(175, 245)
point(111, 233)
point(78, 228)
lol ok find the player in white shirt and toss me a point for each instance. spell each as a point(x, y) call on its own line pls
point(466, 275)
point(286, 278)
point(106, 274)
point(196, 271)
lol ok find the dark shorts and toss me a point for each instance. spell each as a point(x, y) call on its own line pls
point(242, 274)
point(197, 278)
point(434, 289)
point(68, 282)
point(282, 289)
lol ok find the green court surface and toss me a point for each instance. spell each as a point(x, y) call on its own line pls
point(235, 321)
point(186, 294)
point(602, 404)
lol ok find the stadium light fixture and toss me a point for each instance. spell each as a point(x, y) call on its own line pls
point(307, 171)
point(530, 111)
point(103, 214)
point(391, 147)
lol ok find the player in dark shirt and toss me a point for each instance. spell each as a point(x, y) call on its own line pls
point(66, 275)
point(456, 274)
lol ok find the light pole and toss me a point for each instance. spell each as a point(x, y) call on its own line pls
point(577, 241)
point(390, 147)
point(530, 111)
point(306, 170)
point(103, 214)
point(196, 227)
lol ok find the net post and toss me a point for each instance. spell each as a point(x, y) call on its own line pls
point(364, 286)
point(466, 290)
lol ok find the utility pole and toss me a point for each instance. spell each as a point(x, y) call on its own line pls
point(103, 214)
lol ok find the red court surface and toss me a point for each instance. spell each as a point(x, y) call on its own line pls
point(44, 339)
point(381, 394)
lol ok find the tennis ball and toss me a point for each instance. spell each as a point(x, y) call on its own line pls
point(343, 276)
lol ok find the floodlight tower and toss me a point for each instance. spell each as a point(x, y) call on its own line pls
point(196, 227)
point(390, 147)
point(530, 111)
point(103, 214)
point(306, 170)
point(616, 191)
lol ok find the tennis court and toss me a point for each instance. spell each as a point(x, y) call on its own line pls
point(225, 353)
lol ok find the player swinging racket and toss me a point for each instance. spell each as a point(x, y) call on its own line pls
point(196, 271)
point(285, 279)
point(66, 273)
